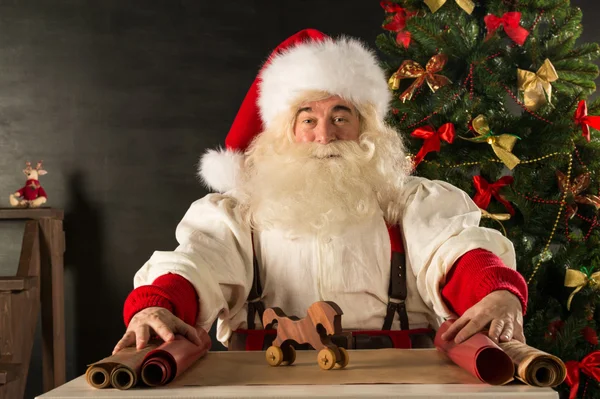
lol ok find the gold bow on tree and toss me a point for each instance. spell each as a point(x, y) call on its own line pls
point(411, 70)
point(574, 190)
point(498, 217)
point(536, 86)
point(502, 144)
point(579, 279)
point(435, 5)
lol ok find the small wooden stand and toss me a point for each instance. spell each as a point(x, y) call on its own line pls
point(40, 274)
point(324, 320)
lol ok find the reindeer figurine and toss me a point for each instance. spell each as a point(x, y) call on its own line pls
point(31, 195)
point(324, 320)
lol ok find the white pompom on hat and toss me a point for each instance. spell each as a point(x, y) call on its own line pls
point(308, 60)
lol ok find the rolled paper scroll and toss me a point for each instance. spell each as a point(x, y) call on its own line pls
point(169, 360)
point(120, 370)
point(495, 363)
point(478, 355)
point(535, 367)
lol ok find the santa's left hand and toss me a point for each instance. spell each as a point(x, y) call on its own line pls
point(501, 311)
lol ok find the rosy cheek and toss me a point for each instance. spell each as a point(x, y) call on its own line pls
point(303, 136)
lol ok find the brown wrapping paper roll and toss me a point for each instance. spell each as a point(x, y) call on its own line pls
point(481, 357)
point(535, 367)
point(169, 360)
point(120, 370)
point(125, 369)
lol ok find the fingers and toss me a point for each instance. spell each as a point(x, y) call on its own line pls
point(142, 335)
point(161, 329)
point(507, 332)
point(519, 336)
point(474, 326)
point(127, 340)
point(496, 329)
point(455, 328)
point(190, 333)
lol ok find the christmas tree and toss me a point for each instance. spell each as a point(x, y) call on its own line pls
point(491, 97)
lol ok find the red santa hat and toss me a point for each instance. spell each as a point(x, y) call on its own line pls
point(308, 60)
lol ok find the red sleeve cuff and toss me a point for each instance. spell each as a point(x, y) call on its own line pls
point(169, 291)
point(475, 275)
point(146, 296)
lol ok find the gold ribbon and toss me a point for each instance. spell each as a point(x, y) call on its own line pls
point(498, 217)
point(435, 5)
point(574, 190)
point(536, 86)
point(578, 279)
point(413, 70)
point(502, 144)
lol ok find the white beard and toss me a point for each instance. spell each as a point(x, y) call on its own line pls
point(314, 189)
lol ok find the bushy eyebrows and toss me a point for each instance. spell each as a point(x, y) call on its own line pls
point(336, 108)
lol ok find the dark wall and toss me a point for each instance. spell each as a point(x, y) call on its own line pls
point(119, 98)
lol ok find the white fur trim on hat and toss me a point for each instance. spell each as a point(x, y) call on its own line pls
point(220, 169)
point(343, 67)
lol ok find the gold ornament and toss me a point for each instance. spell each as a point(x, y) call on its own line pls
point(578, 279)
point(498, 217)
point(435, 5)
point(411, 70)
point(536, 86)
point(502, 144)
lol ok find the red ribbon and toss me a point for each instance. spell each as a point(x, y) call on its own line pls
point(485, 191)
point(432, 139)
point(582, 118)
point(511, 22)
point(590, 365)
point(388, 6)
point(398, 22)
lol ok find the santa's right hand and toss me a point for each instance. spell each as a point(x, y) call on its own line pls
point(158, 320)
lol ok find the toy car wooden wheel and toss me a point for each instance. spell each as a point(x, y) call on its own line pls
point(274, 356)
point(326, 359)
point(289, 355)
point(343, 362)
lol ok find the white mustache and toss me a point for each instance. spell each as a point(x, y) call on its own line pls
point(326, 151)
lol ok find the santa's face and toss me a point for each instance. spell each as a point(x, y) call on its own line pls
point(325, 121)
point(328, 169)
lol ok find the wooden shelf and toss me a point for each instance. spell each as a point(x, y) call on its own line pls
point(31, 213)
point(16, 283)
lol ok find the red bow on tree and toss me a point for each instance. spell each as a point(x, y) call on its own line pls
point(590, 365)
point(582, 118)
point(485, 191)
point(432, 139)
point(397, 22)
point(511, 22)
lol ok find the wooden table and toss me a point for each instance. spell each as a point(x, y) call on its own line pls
point(78, 388)
point(247, 375)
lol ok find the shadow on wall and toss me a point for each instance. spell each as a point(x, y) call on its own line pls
point(84, 233)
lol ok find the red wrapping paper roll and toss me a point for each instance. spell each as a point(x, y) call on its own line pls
point(479, 355)
point(169, 360)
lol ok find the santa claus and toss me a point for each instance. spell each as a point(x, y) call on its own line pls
point(314, 202)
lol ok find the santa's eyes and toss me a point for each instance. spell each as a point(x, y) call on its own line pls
point(337, 119)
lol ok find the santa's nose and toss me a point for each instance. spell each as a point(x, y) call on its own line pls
point(324, 133)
